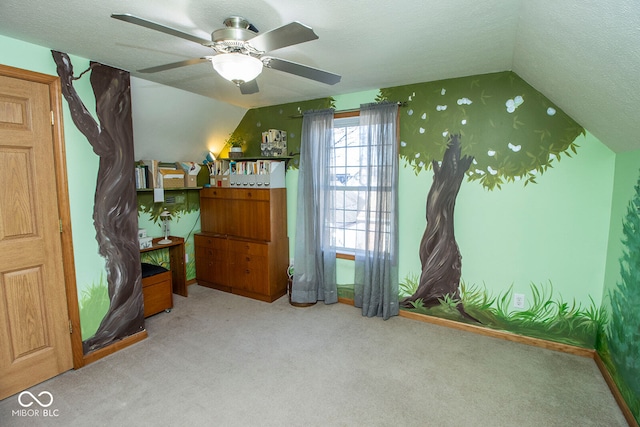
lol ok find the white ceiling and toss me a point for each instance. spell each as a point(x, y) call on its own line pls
point(584, 55)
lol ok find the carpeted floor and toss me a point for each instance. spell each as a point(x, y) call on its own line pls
point(223, 360)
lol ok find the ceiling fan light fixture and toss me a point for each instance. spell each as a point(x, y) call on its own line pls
point(237, 67)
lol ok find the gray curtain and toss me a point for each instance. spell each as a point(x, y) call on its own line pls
point(376, 266)
point(314, 263)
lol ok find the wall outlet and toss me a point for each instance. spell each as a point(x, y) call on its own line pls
point(518, 300)
point(186, 258)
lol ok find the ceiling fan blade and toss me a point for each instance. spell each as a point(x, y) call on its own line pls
point(247, 88)
point(127, 17)
point(173, 65)
point(301, 70)
point(280, 37)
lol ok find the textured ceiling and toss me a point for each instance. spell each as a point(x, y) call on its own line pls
point(583, 55)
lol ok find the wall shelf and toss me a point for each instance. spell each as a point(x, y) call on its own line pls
point(254, 158)
point(149, 190)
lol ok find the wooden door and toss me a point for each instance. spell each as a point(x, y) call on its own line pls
point(34, 323)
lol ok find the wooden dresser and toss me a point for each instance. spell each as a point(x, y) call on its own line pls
point(243, 247)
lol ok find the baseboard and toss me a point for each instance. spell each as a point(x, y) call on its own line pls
point(626, 411)
point(536, 342)
point(112, 348)
point(347, 301)
point(508, 336)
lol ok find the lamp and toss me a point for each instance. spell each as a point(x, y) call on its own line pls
point(237, 67)
point(166, 216)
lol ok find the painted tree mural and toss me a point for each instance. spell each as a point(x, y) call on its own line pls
point(491, 129)
point(114, 213)
point(624, 328)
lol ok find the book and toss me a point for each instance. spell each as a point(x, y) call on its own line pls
point(152, 168)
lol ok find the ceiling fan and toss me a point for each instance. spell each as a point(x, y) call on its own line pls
point(239, 51)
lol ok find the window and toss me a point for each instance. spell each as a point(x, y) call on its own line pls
point(348, 185)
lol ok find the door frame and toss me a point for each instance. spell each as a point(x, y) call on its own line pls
point(64, 212)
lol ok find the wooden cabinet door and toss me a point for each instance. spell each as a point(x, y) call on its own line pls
point(237, 212)
point(214, 206)
point(251, 219)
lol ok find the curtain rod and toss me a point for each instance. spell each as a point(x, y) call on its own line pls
point(400, 104)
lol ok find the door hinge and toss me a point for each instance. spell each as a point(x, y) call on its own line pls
point(60, 224)
point(70, 327)
point(53, 120)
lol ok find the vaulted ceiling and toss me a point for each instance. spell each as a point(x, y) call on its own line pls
point(583, 55)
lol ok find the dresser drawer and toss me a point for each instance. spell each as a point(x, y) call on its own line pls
point(205, 241)
point(235, 193)
point(249, 194)
point(240, 247)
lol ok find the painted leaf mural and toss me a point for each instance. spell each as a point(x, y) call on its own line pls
point(492, 128)
point(510, 129)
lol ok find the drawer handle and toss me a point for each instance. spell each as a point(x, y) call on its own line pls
point(248, 258)
point(249, 194)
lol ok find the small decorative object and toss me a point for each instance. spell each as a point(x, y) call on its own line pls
point(209, 158)
point(235, 152)
point(166, 217)
point(145, 242)
point(274, 143)
point(235, 143)
point(290, 271)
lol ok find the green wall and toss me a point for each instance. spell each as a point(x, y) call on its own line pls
point(553, 232)
point(82, 169)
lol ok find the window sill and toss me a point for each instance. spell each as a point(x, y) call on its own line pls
point(340, 255)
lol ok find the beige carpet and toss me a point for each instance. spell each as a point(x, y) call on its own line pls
point(223, 360)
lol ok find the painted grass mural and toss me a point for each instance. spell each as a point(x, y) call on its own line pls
point(93, 304)
point(547, 316)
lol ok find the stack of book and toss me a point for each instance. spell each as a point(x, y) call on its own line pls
point(156, 174)
point(146, 174)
